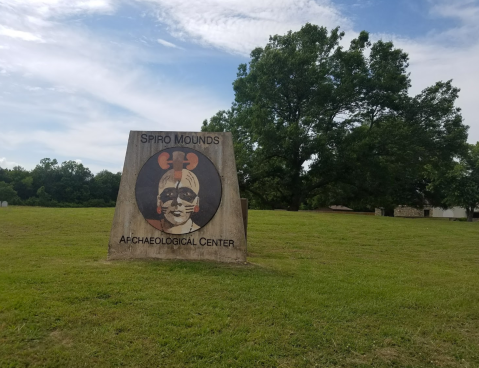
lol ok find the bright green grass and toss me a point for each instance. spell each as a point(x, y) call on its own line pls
point(320, 290)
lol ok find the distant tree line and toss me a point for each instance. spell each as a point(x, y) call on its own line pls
point(50, 184)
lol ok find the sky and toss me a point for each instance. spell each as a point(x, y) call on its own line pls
point(77, 75)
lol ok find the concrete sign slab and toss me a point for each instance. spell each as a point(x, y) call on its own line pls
point(179, 199)
point(4, 204)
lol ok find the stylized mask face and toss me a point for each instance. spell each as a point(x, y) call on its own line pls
point(178, 198)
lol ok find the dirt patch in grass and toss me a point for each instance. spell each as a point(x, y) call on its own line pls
point(61, 338)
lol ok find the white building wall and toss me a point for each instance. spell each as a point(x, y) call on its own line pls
point(454, 212)
point(437, 212)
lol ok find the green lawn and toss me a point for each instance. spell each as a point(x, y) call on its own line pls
point(322, 290)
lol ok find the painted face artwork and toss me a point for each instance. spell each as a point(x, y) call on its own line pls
point(177, 199)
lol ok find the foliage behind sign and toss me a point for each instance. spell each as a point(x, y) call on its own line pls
point(314, 121)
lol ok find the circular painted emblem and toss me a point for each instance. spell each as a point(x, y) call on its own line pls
point(178, 190)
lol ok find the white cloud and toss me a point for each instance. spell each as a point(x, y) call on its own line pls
point(167, 44)
point(466, 10)
point(58, 8)
point(5, 164)
point(22, 35)
point(238, 26)
point(77, 94)
point(75, 59)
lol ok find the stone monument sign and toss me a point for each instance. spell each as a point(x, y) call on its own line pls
point(178, 199)
point(4, 204)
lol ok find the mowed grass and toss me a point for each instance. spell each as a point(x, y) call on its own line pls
point(323, 290)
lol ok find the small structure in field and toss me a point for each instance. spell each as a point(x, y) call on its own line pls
point(406, 211)
point(426, 211)
point(334, 208)
point(340, 208)
point(455, 212)
point(4, 203)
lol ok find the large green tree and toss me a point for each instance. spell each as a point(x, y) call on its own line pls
point(105, 185)
point(7, 193)
point(459, 184)
point(390, 161)
point(21, 181)
point(310, 115)
point(73, 186)
point(46, 175)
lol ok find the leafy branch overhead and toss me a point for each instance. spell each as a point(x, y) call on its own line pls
point(317, 123)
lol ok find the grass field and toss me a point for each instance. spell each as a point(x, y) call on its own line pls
point(321, 290)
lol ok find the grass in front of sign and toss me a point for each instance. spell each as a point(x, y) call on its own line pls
point(319, 290)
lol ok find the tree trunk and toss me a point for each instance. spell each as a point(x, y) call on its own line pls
point(295, 188)
point(295, 202)
point(470, 213)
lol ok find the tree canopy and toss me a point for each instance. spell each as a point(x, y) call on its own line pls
point(317, 123)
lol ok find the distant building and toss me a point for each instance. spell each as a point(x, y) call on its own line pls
point(340, 208)
point(454, 212)
point(334, 208)
point(406, 211)
point(427, 211)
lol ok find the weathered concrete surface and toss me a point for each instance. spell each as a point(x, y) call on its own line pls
point(406, 211)
point(227, 223)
